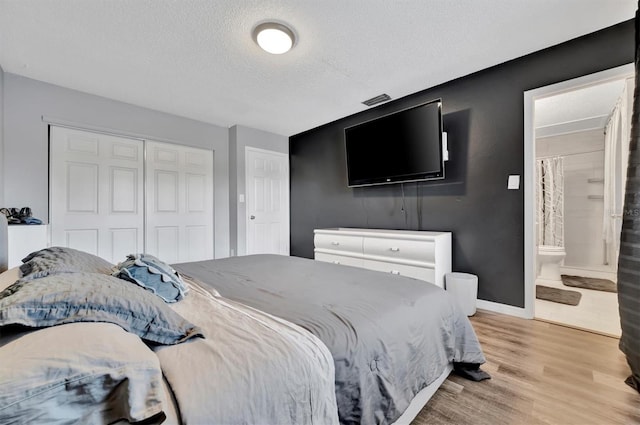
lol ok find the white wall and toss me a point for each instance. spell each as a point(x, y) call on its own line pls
point(583, 154)
point(25, 158)
point(239, 138)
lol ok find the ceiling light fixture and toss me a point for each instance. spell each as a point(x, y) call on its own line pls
point(274, 38)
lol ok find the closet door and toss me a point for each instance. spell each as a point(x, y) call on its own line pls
point(179, 202)
point(96, 190)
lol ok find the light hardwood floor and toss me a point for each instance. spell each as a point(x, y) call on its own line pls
point(541, 374)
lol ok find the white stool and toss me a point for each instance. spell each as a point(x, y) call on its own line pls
point(464, 288)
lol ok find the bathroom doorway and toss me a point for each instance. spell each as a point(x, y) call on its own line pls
point(577, 145)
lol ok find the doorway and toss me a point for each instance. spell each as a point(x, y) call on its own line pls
point(572, 196)
point(267, 183)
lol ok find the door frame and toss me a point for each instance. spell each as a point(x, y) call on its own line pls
point(530, 96)
point(285, 197)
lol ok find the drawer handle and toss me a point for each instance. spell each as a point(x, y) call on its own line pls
point(335, 243)
point(395, 249)
point(395, 272)
point(336, 262)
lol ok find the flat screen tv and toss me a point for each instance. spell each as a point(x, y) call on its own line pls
point(399, 147)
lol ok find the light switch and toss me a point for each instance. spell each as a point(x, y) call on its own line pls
point(241, 198)
point(514, 181)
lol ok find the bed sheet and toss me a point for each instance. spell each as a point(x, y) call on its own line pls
point(389, 336)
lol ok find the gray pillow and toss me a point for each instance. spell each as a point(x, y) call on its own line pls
point(58, 259)
point(89, 373)
point(93, 297)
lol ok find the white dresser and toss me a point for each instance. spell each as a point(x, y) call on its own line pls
point(419, 254)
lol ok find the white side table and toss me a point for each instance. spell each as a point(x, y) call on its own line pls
point(23, 239)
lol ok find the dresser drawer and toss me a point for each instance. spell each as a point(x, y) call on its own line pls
point(338, 259)
point(421, 273)
point(338, 242)
point(400, 249)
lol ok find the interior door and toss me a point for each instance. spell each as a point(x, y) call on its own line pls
point(96, 190)
point(267, 182)
point(179, 202)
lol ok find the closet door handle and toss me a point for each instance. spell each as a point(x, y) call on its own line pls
point(394, 249)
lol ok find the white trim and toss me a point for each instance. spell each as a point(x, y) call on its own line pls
point(421, 399)
point(504, 309)
point(530, 251)
point(568, 127)
point(530, 97)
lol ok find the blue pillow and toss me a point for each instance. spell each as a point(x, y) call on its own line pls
point(154, 275)
point(93, 297)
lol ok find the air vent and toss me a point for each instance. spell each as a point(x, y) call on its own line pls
point(378, 99)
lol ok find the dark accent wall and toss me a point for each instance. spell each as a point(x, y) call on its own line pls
point(484, 118)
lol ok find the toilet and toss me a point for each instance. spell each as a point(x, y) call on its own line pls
point(549, 260)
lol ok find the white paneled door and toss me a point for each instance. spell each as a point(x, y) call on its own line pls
point(96, 188)
point(179, 202)
point(267, 182)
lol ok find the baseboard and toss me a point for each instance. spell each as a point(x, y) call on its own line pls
point(503, 308)
point(578, 328)
point(599, 274)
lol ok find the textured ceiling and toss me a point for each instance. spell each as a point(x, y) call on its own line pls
point(196, 58)
point(581, 104)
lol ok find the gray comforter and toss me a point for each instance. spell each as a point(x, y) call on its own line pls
point(251, 367)
point(390, 336)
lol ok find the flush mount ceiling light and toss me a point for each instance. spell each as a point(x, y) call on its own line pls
point(274, 38)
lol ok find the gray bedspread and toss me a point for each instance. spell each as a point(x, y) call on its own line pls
point(251, 367)
point(390, 336)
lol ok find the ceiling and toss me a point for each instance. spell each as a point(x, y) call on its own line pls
point(585, 108)
point(197, 59)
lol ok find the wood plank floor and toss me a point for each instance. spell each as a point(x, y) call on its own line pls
point(541, 374)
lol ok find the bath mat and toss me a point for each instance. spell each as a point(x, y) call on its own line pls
point(557, 295)
point(589, 283)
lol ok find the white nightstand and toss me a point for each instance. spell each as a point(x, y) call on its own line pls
point(24, 239)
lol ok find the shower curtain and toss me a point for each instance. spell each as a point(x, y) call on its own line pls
point(616, 155)
point(629, 259)
point(550, 201)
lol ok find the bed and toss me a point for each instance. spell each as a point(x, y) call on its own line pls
point(261, 339)
point(389, 336)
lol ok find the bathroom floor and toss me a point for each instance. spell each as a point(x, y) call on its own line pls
point(597, 310)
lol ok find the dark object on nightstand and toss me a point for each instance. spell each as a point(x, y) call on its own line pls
point(20, 216)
